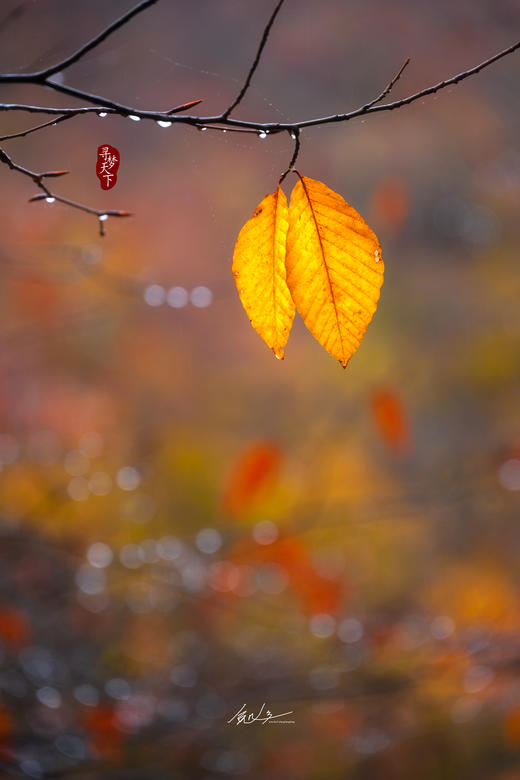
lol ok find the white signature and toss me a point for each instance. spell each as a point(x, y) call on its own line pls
point(243, 717)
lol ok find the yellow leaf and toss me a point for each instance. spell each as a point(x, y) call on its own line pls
point(259, 271)
point(334, 267)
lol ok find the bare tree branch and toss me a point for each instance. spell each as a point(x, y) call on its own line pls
point(52, 110)
point(389, 86)
point(222, 122)
point(43, 75)
point(411, 98)
point(270, 127)
point(256, 61)
point(51, 122)
point(101, 214)
point(88, 96)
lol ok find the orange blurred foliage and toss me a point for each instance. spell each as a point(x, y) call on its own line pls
point(390, 202)
point(105, 736)
point(71, 409)
point(511, 726)
point(15, 630)
point(316, 592)
point(6, 730)
point(37, 298)
point(482, 596)
point(292, 759)
point(5, 724)
point(390, 419)
point(255, 469)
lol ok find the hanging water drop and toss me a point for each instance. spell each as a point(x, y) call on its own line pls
point(163, 123)
point(134, 118)
point(262, 135)
point(50, 199)
point(103, 217)
point(102, 114)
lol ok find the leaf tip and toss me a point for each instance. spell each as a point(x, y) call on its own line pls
point(278, 353)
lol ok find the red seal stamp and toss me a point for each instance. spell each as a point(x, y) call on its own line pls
point(107, 166)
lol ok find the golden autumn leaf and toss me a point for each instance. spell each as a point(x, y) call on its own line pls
point(259, 271)
point(334, 267)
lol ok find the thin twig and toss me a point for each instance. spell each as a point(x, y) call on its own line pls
point(256, 61)
point(43, 75)
point(23, 133)
point(88, 96)
point(101, 214)
point(411, 98)
point(52, 110)
point(389, 86)
point(295, 135)
point(228, 129)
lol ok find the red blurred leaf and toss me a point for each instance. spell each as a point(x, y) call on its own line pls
point(71, 410)
point(390, 419)
point(511, 726)
point(390, 202)
point(37, 297)
point(15, 630)
point(255, 469)
point(102, 726)
point(291, 759)
point(316, 592)
point(6, 729)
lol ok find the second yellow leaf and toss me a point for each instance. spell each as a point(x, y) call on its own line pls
point(334, 267)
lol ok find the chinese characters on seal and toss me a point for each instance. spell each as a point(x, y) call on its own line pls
point(107, 166)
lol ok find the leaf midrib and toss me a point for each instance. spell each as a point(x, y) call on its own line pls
point(326, 267)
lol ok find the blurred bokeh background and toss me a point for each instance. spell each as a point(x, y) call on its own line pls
point(187, 524)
